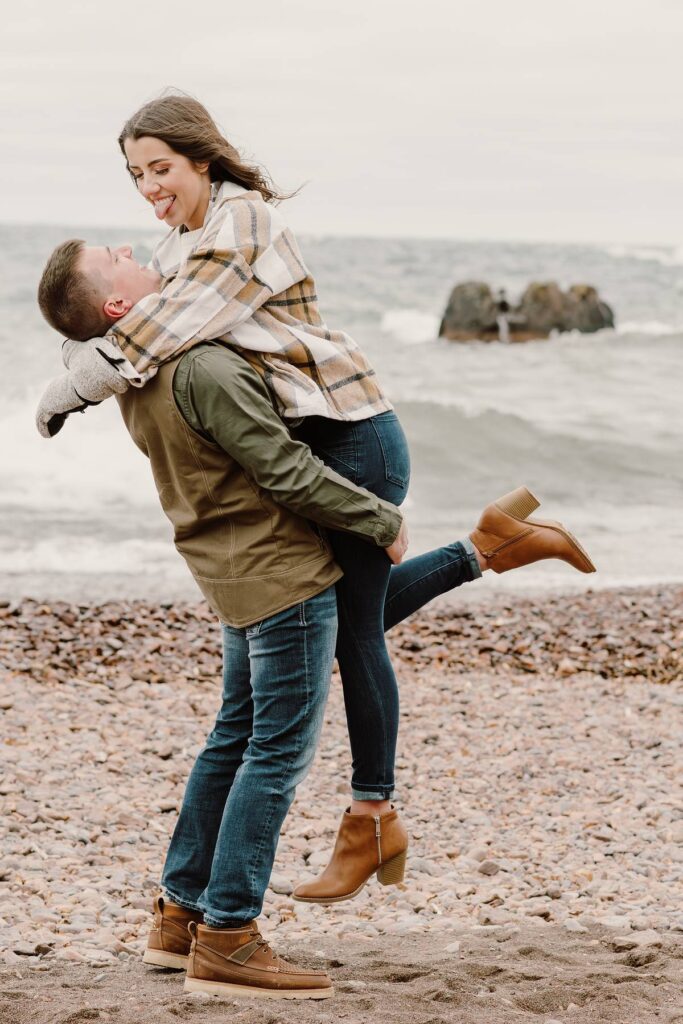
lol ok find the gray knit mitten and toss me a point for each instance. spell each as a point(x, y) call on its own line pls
point(91, 377)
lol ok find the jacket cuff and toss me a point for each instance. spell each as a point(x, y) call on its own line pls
point(389, 525)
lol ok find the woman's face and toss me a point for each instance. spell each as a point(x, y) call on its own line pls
point(177, 188)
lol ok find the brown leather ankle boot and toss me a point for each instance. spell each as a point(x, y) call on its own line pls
point(169, 940)
point(239, 962)
point(509, 539)
point(365, 844)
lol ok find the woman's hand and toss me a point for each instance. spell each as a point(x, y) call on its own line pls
point(397, 550)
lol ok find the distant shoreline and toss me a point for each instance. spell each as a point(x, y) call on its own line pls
point(643, 244)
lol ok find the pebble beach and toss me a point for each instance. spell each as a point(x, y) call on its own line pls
point(539, 775)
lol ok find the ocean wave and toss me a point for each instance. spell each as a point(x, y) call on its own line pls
point(411, 326)
point(666, 256)
point(462, 433)
point(415, 327)
point(654, 328)
point(91, 465)
point(63, 553)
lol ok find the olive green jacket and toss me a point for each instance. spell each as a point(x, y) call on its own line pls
point(240, 491)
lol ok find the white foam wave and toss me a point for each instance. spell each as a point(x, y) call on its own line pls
point(655, 328)
point(411, 326)
point(666, 256)
point(414, 327)
point(89, 556)
point(91, 465)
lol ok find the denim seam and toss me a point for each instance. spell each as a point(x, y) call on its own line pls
point(342, 462)
point(332, 455)
point(393, 478)
point(285, 772)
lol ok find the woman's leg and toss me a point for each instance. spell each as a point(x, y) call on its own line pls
point(374, 595)
point(374, 454)
point(368, 680)
point(415, 582)
point(370, 688)
point(371, 596)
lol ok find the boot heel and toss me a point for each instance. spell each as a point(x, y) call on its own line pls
point(519, 503)
point(393, 871)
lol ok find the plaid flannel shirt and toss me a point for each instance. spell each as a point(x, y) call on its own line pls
point(241, 279)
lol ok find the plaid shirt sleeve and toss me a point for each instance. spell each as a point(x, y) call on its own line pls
point(248, 257)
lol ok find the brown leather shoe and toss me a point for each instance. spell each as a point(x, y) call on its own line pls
point(239, 962)
point(365, 844)
point(508, 538)
point(169, 941)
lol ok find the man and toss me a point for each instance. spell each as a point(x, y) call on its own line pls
point(235, 485)
point(236, 488)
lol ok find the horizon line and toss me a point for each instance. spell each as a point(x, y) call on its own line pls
point(366, 237)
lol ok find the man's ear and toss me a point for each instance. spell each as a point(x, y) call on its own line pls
point(115, 307)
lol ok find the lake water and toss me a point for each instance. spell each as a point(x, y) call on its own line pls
point(593, 424)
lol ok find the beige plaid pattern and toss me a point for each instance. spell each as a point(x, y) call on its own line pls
point(241, 279)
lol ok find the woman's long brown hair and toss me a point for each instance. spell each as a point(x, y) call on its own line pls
point(188, 128)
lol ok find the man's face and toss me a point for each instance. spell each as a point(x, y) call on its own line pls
point(118, 278)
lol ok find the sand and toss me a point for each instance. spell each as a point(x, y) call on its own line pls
point(529, 973)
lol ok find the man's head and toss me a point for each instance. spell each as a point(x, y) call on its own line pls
point(85, 289)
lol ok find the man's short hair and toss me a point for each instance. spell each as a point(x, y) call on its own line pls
point(68, 300)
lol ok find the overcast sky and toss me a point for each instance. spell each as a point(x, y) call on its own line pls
point(506, 119)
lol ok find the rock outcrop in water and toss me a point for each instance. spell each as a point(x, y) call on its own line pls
point(475, 312)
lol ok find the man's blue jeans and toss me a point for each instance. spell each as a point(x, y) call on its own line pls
point(276, 677)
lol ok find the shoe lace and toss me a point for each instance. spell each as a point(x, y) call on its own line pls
point(264, 945)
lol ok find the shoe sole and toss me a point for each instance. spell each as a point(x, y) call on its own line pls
point(224, 988)
point(159, 958)
point(328, 901)
point(390, 873)
point(583, 554)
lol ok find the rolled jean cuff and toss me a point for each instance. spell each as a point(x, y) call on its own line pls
point(471, 552)
point(214, 922)
point(385, 793)
point(179, 901)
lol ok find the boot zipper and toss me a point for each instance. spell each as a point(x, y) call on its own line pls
point(378, 834)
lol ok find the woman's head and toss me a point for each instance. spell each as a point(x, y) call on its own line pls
point(174, 150)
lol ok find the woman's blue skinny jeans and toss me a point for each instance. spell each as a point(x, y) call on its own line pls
point(373, 594)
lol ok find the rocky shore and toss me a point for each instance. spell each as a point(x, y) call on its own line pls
point(540, 772)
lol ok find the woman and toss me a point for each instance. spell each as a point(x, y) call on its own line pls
point(233, 271)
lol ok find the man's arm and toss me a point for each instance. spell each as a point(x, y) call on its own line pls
point(91, 377)
point(221, 396)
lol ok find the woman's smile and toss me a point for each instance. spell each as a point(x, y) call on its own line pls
point(162, 206)
point(155, 168)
